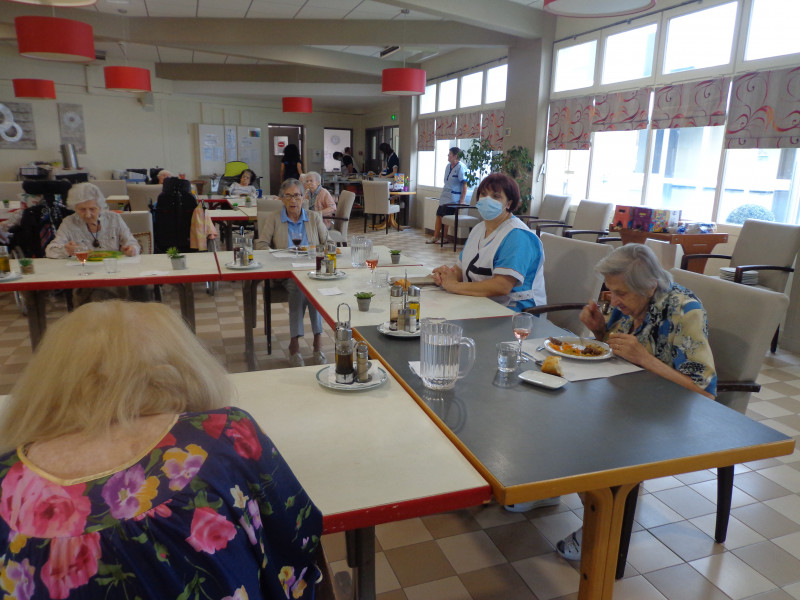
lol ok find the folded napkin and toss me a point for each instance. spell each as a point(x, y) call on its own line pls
point(334, 291)
point(304, 265)
point(576, 369)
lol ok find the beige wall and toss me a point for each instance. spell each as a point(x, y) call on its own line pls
point(121, 133)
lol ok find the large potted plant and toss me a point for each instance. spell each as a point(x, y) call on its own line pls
point(481, 158)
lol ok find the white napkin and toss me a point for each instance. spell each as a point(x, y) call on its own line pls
point(334, 291)
point(577, 370)
point(153, 273)
point(304, 265)
point(130, 260)
point(414, 366)
point(285, 254)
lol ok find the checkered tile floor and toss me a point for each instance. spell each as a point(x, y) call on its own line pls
point(487, 553)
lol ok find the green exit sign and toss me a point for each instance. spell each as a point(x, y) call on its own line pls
point(394, 117)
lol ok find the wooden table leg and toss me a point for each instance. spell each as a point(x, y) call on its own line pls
point(602, 523)
point(36, 305)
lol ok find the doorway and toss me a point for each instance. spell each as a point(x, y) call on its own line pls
point(375, 136)
point(336, 140)
point(279, 137)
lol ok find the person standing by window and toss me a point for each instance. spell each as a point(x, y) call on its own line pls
point(453, 192)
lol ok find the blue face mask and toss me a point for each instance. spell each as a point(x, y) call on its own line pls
point(489, 208)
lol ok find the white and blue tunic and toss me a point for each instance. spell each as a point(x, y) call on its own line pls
point(512, 249)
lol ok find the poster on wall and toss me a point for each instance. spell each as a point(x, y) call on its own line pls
point(16, 126)
point(280, 142)
point(70, 121)
point(250, 145)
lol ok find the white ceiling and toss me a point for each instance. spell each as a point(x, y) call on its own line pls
point(327, 49)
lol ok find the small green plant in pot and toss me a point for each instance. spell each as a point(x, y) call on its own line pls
point(26, 265)
point(363, 299)
point(177, 259)
point(395, 256)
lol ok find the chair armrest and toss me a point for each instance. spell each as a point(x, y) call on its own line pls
point(570, 232)
point(687, 257)
point(538, 220)
point(737, 277)
point(603, 240)
point(738, 386)
point(537, 310)
point(332, 218)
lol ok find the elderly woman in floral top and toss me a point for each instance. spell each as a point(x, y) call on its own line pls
point(123, 478)
point(656, 324)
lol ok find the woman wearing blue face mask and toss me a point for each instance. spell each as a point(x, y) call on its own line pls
point(502, 258)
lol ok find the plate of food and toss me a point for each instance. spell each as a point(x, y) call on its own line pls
point(385, 330)
point(417, 281)
point(237, 267)
point(99, 255)
point(337, 275)
point(578, 348)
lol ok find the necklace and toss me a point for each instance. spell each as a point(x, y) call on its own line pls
point(96, 242)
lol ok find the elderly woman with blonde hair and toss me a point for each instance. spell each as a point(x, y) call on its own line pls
point(122, 475)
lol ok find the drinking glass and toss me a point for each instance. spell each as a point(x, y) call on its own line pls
point(522, 324)
point(372, 262)
point(507, 357)
point(297, 241)
point(82, 253)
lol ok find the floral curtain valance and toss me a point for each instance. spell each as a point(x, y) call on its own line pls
point(765, 110)
point(446, 128)
point(468, 125)
point(426, 130)
point(492, 125)
point(570, 124)
point(695, 104)
point(621, 111)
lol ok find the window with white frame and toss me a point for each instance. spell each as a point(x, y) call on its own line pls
point(629, 54)
point(426, 167)
point(618, 165)
point(700, 39)
point(471, 90)
point(574, 66)
point(427, 102)
point(448, 96)
point(567, 173)
point(496, 81)
point(773, 29)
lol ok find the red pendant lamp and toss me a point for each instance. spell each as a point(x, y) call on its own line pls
point(296, 104)
point(127, 79)
point(52, 38)
point(403, 82)
point(596, 8)
point(34, 88)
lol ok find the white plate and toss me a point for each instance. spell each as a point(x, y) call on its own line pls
point(577, 342)
point(378, 378)
point(235, 267)
point(552, 382)
point(11, 276)
point(337, 275)
point(384, 329)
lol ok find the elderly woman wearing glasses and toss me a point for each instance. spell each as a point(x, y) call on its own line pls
point(276, 229)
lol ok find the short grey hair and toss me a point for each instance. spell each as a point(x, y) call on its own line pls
point(315, 176)
point(86, 192)
point(289, 183)
point(639, 267)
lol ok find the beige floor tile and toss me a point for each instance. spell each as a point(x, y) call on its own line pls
point(732, 575)
point(471, 551)
point(419, 563)
point(790, 543)
point(651, 512)
point(793, 590)
point(393, 595)
point(492, 515)
point(334, 546)
point(636, 588)
point(557, 526)
point(696, 476)
point(682, 582)
point(764, 520)
point(781, 427)
point(739, 534)
point(402, 533)
point(758, 486)
point(771, 595)
point(647, 553)
point(548, 575)
point(708, 489)
point(662, 483)
point(519, 540)
point(496, 583)
point(772, 561)
point(768, 409)
point(784, 476)
point(385, 579)
point(686, 540)
point(442, 589)
point(686, 502)
point(450, 523)
point(788, 506)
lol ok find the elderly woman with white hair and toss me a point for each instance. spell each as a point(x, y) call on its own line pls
point(656, 324)
point(92, 226)
point(319, 199)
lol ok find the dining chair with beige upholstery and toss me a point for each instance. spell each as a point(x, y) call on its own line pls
point(768, 248)
point(376, 202)
point(112, 187)
point(569, 278)
point(341, 220)
point(591, 221)
point(669, 255)
point(553, 210)
point(466, 215)
point(142, 195)
point(741, 320)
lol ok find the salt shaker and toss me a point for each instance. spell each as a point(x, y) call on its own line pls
point(362, 362)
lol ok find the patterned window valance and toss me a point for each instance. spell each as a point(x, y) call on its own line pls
point(446, 128)
point(695, 104)
point(621, 111)
point(492, 125)
point(570, 124)
point(426, 130)
point(468, 125)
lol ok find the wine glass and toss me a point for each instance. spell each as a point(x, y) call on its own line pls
point(297, 240)
point(82, 253)
point(522, 324)
point(372, 262)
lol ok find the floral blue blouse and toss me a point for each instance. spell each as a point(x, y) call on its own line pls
point(675, 330)
point(212, 512)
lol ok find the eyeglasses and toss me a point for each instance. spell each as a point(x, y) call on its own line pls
point(293, 196)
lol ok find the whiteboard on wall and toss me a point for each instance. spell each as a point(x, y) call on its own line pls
point(249, 146)
point(211, 146)
point(231, 149)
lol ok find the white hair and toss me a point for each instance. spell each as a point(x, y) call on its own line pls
point(86, 192)
point(639, 267)
point(315, 176)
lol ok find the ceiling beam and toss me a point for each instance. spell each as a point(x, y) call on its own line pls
point(498, 16)
point(259, 73)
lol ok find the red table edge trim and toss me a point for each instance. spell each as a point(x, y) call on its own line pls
point(368, 517)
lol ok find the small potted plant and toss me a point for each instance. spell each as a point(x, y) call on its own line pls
point(395, 256)
point(177, 259)
point(363, 299)
point(26, 265)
